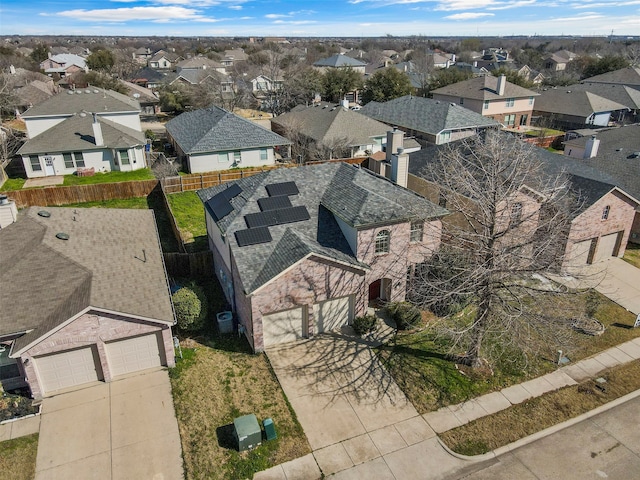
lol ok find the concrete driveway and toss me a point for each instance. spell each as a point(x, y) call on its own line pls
point(110, 431)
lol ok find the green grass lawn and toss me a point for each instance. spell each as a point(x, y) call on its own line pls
point(18, 458)
point(632, 255)
point(12, 184)
point(109, 177)
point(140, 203)
point(188, 211)
point(420, 364)
point(548, 132)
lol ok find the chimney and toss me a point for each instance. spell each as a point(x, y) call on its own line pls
point(502, 81)
point(97, 131)
point(395, 141)
point(345, 103)
point(400, 167)
point(591, 147)
point(12, 70)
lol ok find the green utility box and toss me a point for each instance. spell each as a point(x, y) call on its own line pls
point(247, 431)
point(269, 429)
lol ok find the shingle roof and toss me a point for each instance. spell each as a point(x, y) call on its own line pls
point(214, 129)
point(425, 115)
point(328, 124)
point(339, 61)
point(67, 103)
point(112, 260)
point(198, 63)
point(68, 59)
point(148, 74)
point(623, 94)
point(624, 76)
point(76, 134)
point(577, 103)
point(484, 88)
point(333, 190)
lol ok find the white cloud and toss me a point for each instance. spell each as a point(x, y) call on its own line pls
point(295, 22)
point(275, 15)
point(154, 14)
point(235, 7)
point(468, 16)
point(578, 18)
point(610, 4)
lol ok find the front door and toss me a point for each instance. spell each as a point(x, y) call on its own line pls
point(48, 166)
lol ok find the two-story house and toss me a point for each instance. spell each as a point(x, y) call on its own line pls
point(493, 97)
point(300, 251)
point(63, 64)
point(84, 128)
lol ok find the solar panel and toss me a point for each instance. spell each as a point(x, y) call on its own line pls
point(261, 219)
point(273, 203)
point(292, 214)
point(232, 191)
point(284, 188)
point(252, 236)
point(277, 217)
point(219, 206)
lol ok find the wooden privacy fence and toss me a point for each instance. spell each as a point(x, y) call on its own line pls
point(198, 264)
point(52, 196)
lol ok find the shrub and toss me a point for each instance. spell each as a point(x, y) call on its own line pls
point(191, 308)
point(364, 325)
point(405, 314)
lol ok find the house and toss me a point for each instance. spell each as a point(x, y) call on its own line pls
point(432, 121)
point(300, 251)
point(567, 108)
point(84, 298)
point(163, 60)
point(200, 63)
point(472, 68)
point(232, 56)
point(220, 81)
point(142, 55)
point(330, 131)
point(629, 76)
point(78, 129)
point(340, 61)
point(622, 94)
point(599, 227)
point(262, 85)
point(64, 64)
point(530, 75)
point(491, 97)
point(148, 99)
point(213, 139)
point(558, 61)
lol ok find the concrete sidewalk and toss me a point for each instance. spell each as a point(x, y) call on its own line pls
point(410, 449)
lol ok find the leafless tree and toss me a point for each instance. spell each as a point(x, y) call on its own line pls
point(508, 228)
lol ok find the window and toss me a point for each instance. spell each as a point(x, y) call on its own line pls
point(510, 102)
point(530, 100)
point(68, 160)
point(79, 159)
point(509, 120)
point(516, 212)
point(605, 212)
point(382, 241)
point(486, 105)
point(237, 157)
point(124, 157)
point(523, 119)
point(8, 366)
point(264, 155)
point(35, 163)
point(73, 160)
point(416, 231)
point(445, 137)
point(223, 157)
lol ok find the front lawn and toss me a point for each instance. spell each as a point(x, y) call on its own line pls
point(218, 380)
point(188, 211)
point(109, 177)
point(18, 458)
point(420, 364)
point(632, 254)
point(12, 184)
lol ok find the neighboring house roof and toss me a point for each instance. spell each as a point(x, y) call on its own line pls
point(214, 129)
point(484, 88)
point(201, 63)
point(623, 94)
point(236, 54)
point(144, 95)
point(76, 134)
point(576, 103)
point(625, 76)
point(34, 93)
point(425, 115)
point(331, 124)
point(70, 102)
point(356, 196)
point(467, 67)
point(339, 61)
point(565, 54)
point(160, 54)
point(66, 60)
point(195, 77)
point(147, 74)
point(112, 261)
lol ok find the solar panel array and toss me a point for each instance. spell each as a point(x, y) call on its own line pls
point(253, 236)
point(219, 204)
point(284, 188)
point(279, 216)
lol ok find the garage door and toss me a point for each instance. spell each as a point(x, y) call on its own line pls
point(333, 314)
point(579, 255)
point(67, 369)
point(282, 327)
point(606, 246)
point(134, 354)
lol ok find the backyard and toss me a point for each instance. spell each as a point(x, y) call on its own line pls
point(188, 211)
point(111, 177)
point(632, 254)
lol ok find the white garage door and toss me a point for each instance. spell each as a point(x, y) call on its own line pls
point(67, 369)
point(282, 327)
point(606, 246)
point(580, 253)
point(134, 354)
point(333, 314)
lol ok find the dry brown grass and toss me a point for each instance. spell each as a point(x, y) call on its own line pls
point(214, 387)
point(18, 458)
point(519, 421)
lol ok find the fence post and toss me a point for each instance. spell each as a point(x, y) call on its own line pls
point(181, 187)
point(201, 180)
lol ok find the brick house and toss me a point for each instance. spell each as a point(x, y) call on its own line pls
point(492, 97)
point(85, 298)
point(322, 241)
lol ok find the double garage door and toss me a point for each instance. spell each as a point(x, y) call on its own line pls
point(75, 367)
point(596, 250)
point(291, 325)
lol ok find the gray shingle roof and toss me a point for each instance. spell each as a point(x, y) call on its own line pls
point(623, 94)
point(625, 76)
point(339, 61)
point(425, 115)
point(328, 124)
point(484, 88)
point(577, 103)
point(112, 260)
point(214, 129)
point(67, 103)
point(356, 196)
point(76, 134)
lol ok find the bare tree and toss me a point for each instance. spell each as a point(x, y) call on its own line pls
point(509, 222)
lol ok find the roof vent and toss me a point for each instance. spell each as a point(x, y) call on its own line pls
point(62, 236)
point(87, 91)
point(96, 91)
point(635, 155)
point(44, 213)
point(618, 149)
point(69, 92)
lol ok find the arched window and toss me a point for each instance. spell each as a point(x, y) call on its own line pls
point(382, 241)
